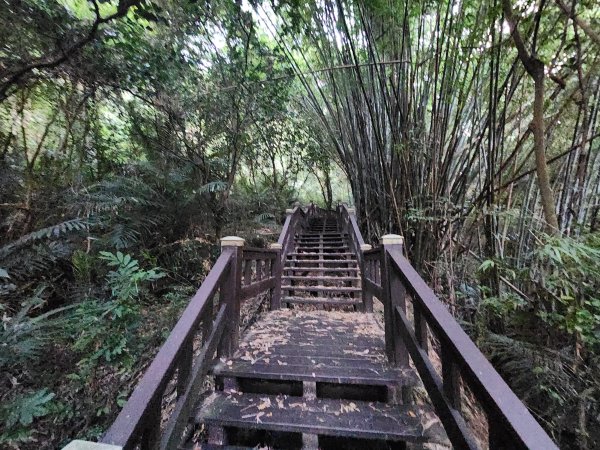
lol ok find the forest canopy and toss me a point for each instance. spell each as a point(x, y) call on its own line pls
point(134, 134)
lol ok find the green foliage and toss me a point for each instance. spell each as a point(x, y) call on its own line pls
point(51, 232)
point(25, 409)
point(108, 333)
point(23, 338)
point(568, 273)
point(18, 414)
point(125, 279)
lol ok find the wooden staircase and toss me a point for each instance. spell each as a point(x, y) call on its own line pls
point(321, 270)
point(319, 369)
point(315, 379)
point(304, 378)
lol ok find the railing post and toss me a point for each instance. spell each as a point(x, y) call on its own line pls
point(230, 294)
point(367, 297)
point(277, 272)
point(394, 295)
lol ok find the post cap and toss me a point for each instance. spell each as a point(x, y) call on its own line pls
point(232, 241)
point(392, 239)
point(365, 247)
point(88, 445)
point(276, 246)
point(289, 211)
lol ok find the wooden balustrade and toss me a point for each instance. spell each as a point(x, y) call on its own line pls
point(239, 274)
point(389, 276)
point(261, 271)
point(412, 314)
point(296, 219)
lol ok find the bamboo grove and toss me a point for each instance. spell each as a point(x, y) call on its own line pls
point(471, 128)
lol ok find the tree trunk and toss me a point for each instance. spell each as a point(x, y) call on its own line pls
point(535, 68)
point(546, 194)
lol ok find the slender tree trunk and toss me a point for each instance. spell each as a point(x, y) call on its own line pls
point(546, 194)
point(535, 68)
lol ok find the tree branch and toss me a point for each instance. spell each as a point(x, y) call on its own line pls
point(16, 75)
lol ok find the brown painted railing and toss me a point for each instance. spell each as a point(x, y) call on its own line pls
point(296, 219)
point(389, 276)
point(238, 274)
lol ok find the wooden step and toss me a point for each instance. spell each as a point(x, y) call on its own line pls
point(321, 269)
point(338, 289)
point(326, 246)
point(325, 417)
point(206, 446)
point(323, 234)
point(321, 278)
point(316, 261)
point(331, 301)
point(317, 368)
point(323, 251)
point(319, 253)
point(304, 237)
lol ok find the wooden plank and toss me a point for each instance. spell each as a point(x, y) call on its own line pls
point(329, 261)
point(320, 253)
point(322, 301)
point(321, 278)
point(319, 351)
point(338, 289)
point(348, 362)
point(293, 367)
point(314, 339)
point(258, 253)
point(373, 288)
point(371, 420)
point(252, 290)
point(324, 234)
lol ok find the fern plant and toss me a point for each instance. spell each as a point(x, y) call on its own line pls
point(23, 338)
point(18, 414)
point(110, 325)
point(567, 271)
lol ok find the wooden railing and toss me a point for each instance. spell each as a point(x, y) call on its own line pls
point(210, 323)
point(414, 317)
point(296, 219)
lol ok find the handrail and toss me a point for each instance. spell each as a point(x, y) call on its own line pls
point(140, 417)
point(238, 274)
point(347, 218)
point(389, 276)
point(296, 218)
point(261, 270)
point(510, 421)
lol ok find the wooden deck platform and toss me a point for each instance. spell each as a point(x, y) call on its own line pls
point(320, 375)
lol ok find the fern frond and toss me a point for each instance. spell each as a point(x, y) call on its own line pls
point(214, 186)
point(121, 237)
point(264, 218)
point(50, 232)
